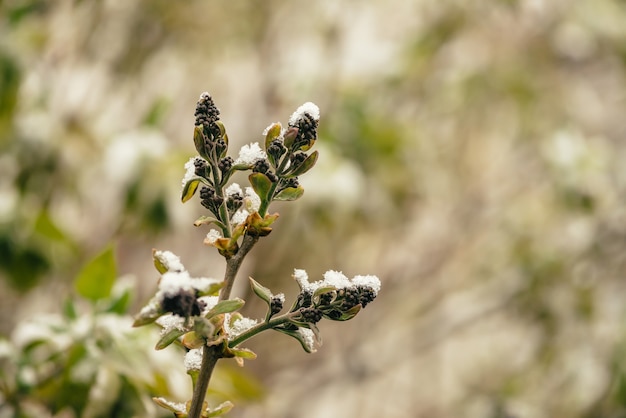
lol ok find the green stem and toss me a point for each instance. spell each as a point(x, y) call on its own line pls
point(251, 332)
point(279, 172)
point(220, 192)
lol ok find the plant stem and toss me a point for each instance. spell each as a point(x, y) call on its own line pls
point(209, 359)
point(279, 173)
point(233, 264)
point(210, 354)
point(251, 332)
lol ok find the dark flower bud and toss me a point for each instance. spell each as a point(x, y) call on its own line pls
point(234, 202)
point(311, 314)
point(273, 178)
point(206, 111)
point(220, 146)
point(184, 303)
point(225, 164)
point(276, 149)
point(297, 158)
point(206, 192)
point(201, 167)
point(350, 298)
point(276, 304)
point(261, 166)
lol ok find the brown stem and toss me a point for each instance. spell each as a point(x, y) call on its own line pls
point(209, 359)
point(211, 354)
point(233, 264)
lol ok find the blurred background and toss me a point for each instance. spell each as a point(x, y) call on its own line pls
point(471, 156)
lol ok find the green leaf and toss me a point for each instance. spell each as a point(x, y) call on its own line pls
point(198, 141)
point(168, 338)
point(347, 315)
point(225, 306)
point(261, 291)
point(273, 132)
point(119, 305)
point(290, 193)
point(261, 185)
point(299, 337)
point(46, 227)
point(221, 409)
point(222, 128)
point(290, 136)
point(147, 316)
point(243, 353)
point(306, 165)
point(206, 220)
point(97, 277)
point(69, 309)
point(190, 189)
point(211, 290)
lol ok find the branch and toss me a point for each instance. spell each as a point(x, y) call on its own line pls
point(211, 354)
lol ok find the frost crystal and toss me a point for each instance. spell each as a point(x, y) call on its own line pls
point(234, 189)
point(240, 216)
point(191, 171)
point(370, 281)
point(336, 279)
point(249, 154)
point(172, 283)
point(241, 325)
point(209, 303)
point(308, 337)
point(253, 201)
point(170, 322)
point(308, 107)
point(212, 236)
point(193, 359)
point(170, 260)
point(179, 407)
point(302, 278)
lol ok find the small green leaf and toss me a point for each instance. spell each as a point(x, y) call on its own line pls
point(306, 165)
point(273, 132)
point(219, 410)
point(168, 338)
point(198, 141)
point(241, 167)
point(119, 305)
point(193, 340)
point(190, 189)
point(298, 336)
point(222, 128)
point(212, 289)
point(206, 220)
point(323, 289)
point(344, 316)
point(290, 193)
point(243, 353)
point(149, 313)
point(261, 291)
point(96, 279)
point(261, 185)
point(226, 306)
point(290, 136)
point(69, 309)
